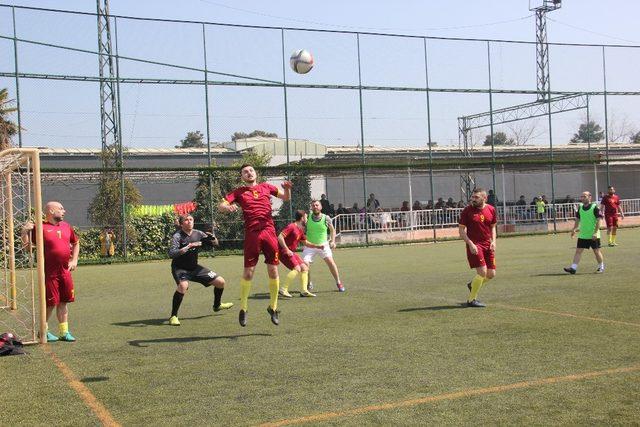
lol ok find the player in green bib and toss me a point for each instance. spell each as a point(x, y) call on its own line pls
point(587, 226)
point(322, 234)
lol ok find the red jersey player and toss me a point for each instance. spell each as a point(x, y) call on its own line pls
point(289, 238)
point(611, 204)
point(61, 249)
point(477, 227)
point(259, 234)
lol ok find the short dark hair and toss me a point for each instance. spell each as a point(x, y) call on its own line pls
point(182, 218)
point(478, 190)
point(314, 200)
point(244, 165)
point(611, 186)
point(300, 214)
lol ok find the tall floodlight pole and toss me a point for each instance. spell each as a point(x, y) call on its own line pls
point(110, 132)
point(542, 47)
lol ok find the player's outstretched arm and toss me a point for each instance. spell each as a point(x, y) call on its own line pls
point(226, 207)
point(286, 194)
point(332, 233)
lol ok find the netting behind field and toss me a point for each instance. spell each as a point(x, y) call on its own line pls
point(19, 293)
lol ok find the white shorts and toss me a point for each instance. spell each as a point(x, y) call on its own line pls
point(308, 253)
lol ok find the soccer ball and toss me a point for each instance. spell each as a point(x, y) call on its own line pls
point(301, 61)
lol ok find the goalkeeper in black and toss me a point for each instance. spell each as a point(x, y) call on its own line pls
point(185, 245)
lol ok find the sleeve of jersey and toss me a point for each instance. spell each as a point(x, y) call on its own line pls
point(231, 197)
point(72, 236)
point(273, 190)
point(495, 217)
point(463, 217)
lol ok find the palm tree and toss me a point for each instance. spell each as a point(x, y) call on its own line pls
point(7, 127)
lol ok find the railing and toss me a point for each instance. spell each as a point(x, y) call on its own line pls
point(448, 217)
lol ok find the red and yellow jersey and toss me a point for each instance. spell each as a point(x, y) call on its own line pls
point(611, 204)
point(255, 203)
point(57, 240)
point(293, 235)
point(479, 222)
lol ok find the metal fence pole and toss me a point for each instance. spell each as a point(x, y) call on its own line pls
point(120, 161)
point(364, 160)
point(606, 117)
point(493, 143)
point(15, 64)
point(208, 126)
point(429, 145)
point(553, 187)
point(286, 117)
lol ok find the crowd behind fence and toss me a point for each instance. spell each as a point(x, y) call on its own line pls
point(424, 219)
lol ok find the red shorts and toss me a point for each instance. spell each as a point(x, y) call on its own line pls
point(612, 220)
point(59, 288)
point(290, 261)
point(264, 241)
point(484, 257)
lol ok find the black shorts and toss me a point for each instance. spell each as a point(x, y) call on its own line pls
point(589, 243)
point(199, 274)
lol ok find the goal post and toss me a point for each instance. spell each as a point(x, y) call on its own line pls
point(22, 286)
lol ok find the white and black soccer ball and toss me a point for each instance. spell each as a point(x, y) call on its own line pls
point(301, 61)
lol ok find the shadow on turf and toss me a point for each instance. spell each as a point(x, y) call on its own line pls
point(265, 295)
point(154, 322)
point(550, 274)
point(433, 308)
point(140, 343)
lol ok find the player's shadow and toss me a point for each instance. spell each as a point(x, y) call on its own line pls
point(183, 340)
point(432, 308)
point(153, 322)
point(262, 295)
point(549, 274)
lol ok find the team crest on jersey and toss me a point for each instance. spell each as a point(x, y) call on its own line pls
point(255, 194)
point(478, 217)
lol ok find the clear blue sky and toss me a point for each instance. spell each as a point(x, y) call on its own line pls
point(66, 114)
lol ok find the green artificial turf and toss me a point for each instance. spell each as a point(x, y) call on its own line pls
point(398, 334)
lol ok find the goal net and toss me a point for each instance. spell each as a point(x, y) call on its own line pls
point(22, 296)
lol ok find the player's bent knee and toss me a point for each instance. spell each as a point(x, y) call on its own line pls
point(218, 282)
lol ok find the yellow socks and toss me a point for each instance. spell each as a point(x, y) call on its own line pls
point(476, 284)
point(290, 278)
point(63, 328)
point(274, 284)
point(304, 280)
point(613, 238)
point(245, 288)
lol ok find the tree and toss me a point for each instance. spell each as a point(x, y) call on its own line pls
point(104, 209)
point(193, 140)
point(523, 132)
point(241, 135)
point(590, 131)
point(300, 196)
point(7, 127)
point(619, 128)
point(499, 138)
point(635, 138)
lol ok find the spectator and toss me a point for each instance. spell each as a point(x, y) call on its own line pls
point(440, 203)
point(417, 206)
point(521, 201)
point(385, 220)
point(429, 205)
point(332, 210)
point(540, 207)
point(372, 203)
point(341, 210)
point(450, 203)
point(355, 208)
point(324, 202)
point(461, 204)
point(492, 199)
point(107, 246)
point(404, 218)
